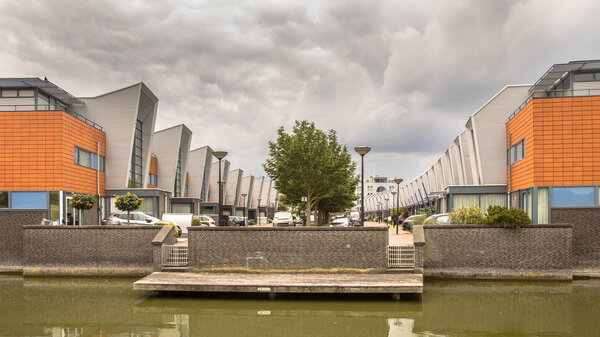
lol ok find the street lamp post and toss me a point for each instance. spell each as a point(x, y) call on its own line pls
point(220, 155)
point(394, 221)
point(387, 205)
point(245, 207)
point(362, 150)
point(258, 211)
point(397, 181)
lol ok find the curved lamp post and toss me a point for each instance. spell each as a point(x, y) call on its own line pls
point(245, 207)
point(397, 181)
point(220, 155)
point(362, 150)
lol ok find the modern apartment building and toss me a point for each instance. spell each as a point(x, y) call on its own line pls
point(53, 145)
point(534, 147)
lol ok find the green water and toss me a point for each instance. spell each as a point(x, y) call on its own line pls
point(108, 307)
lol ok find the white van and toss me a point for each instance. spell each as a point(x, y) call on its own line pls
point(183, 220)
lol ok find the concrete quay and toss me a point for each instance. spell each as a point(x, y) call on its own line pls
point(273, 283)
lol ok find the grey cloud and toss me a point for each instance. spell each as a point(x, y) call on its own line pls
point(402, 77)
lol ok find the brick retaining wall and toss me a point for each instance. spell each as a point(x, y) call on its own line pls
point(296, 249)
point(89, 250)
point(11, 236)
point(586, 237)
point(483, 251)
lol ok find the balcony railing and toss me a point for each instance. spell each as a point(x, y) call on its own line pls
point(555, 94)
point(33, 107)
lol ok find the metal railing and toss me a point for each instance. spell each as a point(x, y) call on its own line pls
point(33, 107)
point(174, 256)
point(401, 256)
point(555, 94)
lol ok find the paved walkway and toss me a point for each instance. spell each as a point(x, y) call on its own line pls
point(402, 238)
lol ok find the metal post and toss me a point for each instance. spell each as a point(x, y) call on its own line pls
point(398, 208)
point(362, 190)
point(220, 197)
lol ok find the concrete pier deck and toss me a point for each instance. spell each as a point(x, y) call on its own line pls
point(283, 283)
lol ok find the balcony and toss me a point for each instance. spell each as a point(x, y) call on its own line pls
point(33, 107)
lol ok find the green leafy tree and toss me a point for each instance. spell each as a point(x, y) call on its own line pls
point(82, 202)
point(309, 162)
point(128, 202)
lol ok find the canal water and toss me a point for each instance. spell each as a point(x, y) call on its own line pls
point(108, 307)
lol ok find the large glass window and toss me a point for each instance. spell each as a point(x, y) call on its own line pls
point(54, 206)
point(153, 179)
point(542, 199)
point(135, 174)
point(181, 208)
point(29, 200)
point(465, 200)
point(147, 206)
point(487, 200)
point(42, 102)
point(177, 187)
point(3, 199)
point(526, 201)
point(517, 152)
point(483, 201)
point(573, 196)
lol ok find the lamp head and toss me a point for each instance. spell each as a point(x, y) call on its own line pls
point(398, 180)
point(393, 192)
point(362, 149)
point(219, 154)
point(244, 194)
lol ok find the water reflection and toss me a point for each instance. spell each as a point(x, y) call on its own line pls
point(108, 307)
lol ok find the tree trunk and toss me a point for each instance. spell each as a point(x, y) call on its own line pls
point(128, 216)
point(81, 215)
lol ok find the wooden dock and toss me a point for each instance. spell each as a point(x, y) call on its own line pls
point(272, 283)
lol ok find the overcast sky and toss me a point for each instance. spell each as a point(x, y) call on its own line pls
point(399, 76)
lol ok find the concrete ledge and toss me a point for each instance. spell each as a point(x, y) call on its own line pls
point(86, 271)
point(299, 229)
point(107, 227)
point(558, 225)
point(11, 269)
point(497, 274)
point(165, 235)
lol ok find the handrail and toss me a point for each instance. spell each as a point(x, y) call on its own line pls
point(555, 94)
point(48, 107)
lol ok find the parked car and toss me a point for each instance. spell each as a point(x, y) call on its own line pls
point(283, 219)
point(298, 220)
point(340, 222)
point(442, 219)
point(206, 220)
point(238, 220)
point(135, 218)
point(182, 220)
point(354, 217)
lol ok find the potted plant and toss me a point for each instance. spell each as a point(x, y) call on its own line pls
point(128, 202)
point(82, 202)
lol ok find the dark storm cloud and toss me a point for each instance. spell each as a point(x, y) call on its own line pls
point(402, 77)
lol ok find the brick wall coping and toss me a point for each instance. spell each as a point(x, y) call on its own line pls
point(165, 233)
point(557, 225)
point(290, 229)
point(108, 227)
point(418, 235)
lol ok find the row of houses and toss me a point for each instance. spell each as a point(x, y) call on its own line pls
point(53, 145)
point(534, 147)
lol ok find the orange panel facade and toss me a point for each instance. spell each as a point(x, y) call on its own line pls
point(562, 142)
point(37, 152)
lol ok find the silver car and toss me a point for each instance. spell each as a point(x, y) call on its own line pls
point(340, 222)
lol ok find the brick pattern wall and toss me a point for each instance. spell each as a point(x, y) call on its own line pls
point(290, 249)
point(89, 250)
point(481, 251)
point(11, 236)
point(586, 234)
point(37, 150)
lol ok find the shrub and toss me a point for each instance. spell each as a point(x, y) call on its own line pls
point(509, 218)
point(430, 222)
point(472, 215)
point(82, 202)
point(419, 220)
point(161, 223)
point(250, 222)
point(128, 202)
point(198, 222)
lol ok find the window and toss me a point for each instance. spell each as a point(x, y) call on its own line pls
point(573, 196)
point(177, 185)
point(42, 102)
point(29, 200)
point(181, 208)
point(584, 77)
point(153, 179)
point(135, 173)
point(3, 199)
point(516, 152)
point(10, 93)
point(54, 206)
point(88, 159)
point(147, 206)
